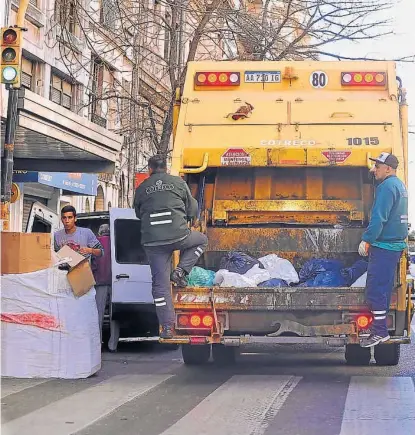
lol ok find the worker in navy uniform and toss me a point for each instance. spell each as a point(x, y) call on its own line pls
point(384, 241)
point(164, 204)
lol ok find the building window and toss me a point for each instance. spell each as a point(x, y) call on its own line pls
point(33, 3)
point(28, 71)
point(61, 91)
point(66, 14)
point(108, 13)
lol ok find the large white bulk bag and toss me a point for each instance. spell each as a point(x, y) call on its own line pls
point(47, 332)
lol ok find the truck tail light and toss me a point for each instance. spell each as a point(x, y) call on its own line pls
point(217, 79)
point(199, 320)
point(363, 78)
point(363, 321)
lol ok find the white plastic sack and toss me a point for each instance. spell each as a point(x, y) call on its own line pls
point(280, 268)
point(47, 332)
point(412, 270)
point(224, 278)
point(360, 282)
point(258, 275)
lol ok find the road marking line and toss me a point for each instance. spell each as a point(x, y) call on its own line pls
point(12, 385)
point(379, 405)
point(70, 415)
point(245, 404)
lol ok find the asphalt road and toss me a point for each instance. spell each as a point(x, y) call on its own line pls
point(146, 390)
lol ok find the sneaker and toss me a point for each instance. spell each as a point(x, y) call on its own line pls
point(373, 340)
point(178, 277)
point(166, 331)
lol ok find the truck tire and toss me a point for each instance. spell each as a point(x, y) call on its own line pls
point(356, 355)
point(387, 354)
point(223, 355)
point(195, 354)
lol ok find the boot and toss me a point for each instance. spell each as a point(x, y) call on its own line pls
point(167, 331)
point(178, 277)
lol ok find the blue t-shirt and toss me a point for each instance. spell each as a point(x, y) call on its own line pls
point(81, 238)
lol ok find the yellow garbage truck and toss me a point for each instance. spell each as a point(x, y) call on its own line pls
point(277, 154)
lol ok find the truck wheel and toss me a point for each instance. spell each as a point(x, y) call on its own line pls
point(356, 355)
point(195, 354)
point(223, 355)
point(387, 354)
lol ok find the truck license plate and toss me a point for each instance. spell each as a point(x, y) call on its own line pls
point(262, 76)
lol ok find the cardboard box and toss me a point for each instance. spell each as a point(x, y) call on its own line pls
point(80, 275)
point(25, 252)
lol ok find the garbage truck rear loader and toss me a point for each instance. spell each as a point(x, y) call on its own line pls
point(277, 154)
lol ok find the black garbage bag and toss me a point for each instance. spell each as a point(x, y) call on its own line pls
point(238, 262)
point(352, 274)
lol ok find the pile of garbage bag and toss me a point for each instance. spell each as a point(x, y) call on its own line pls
point(238, 269)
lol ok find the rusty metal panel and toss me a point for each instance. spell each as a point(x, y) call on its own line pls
point(290, 240)
point(275, 299)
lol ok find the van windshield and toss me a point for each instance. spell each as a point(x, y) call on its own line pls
point(128, 248)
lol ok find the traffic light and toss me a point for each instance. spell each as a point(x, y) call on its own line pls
point(11, 55)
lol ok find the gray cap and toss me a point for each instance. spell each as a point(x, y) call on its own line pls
point(387, 159)
point(104, 230)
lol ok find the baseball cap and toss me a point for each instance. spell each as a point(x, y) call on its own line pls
point(387, 159)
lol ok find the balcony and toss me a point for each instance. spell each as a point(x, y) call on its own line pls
point(52, 138)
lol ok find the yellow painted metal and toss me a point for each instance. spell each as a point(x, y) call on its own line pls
point(285, 156)
point(199, 169)
point(405, 132)
point(222, 209)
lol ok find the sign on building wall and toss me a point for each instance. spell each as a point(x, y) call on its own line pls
point(74, 182)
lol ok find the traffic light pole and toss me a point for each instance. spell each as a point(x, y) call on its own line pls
point(7, 159)
point(9, 139)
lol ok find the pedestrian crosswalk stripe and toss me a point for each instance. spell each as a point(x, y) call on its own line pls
point(379, 405)
point(69, 415)
point(243, 405)
point(13, 385)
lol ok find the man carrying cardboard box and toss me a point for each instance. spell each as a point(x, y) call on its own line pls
point(81, 240)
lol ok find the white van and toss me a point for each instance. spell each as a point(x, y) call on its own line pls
point(132, 306)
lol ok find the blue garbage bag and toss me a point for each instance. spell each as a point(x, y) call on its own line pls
point(238, 262)
point(352, 274)
point(325, 279)
point(274, 282)
point(319, 265)
point(199, 277)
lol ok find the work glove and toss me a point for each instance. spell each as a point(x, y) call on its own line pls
point(363, 248)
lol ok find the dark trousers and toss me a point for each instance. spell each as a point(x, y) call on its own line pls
point(160, 258)
point(379, 285)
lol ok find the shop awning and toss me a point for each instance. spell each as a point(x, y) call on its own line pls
point(52, 138)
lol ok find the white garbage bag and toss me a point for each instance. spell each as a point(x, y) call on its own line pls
point(47, 332)
point(258, 275)
point(224, 278)
point(360, 282)
point(280, 268)
point(412, 270)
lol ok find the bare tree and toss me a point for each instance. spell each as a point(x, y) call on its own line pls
point(132, 54)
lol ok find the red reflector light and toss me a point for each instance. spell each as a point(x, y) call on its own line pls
point(363, 321)
point(197, 340)
point(207, 78)
point(368, 78)
point(183, 320)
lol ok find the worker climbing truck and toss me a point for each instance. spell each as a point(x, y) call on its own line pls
point(277, 155)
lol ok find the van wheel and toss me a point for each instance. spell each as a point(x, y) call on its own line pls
point(356, 355)
point(387, 354)
point(223, 355)
point(195, 354)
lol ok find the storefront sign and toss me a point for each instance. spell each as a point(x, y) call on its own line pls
point(74, 182)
